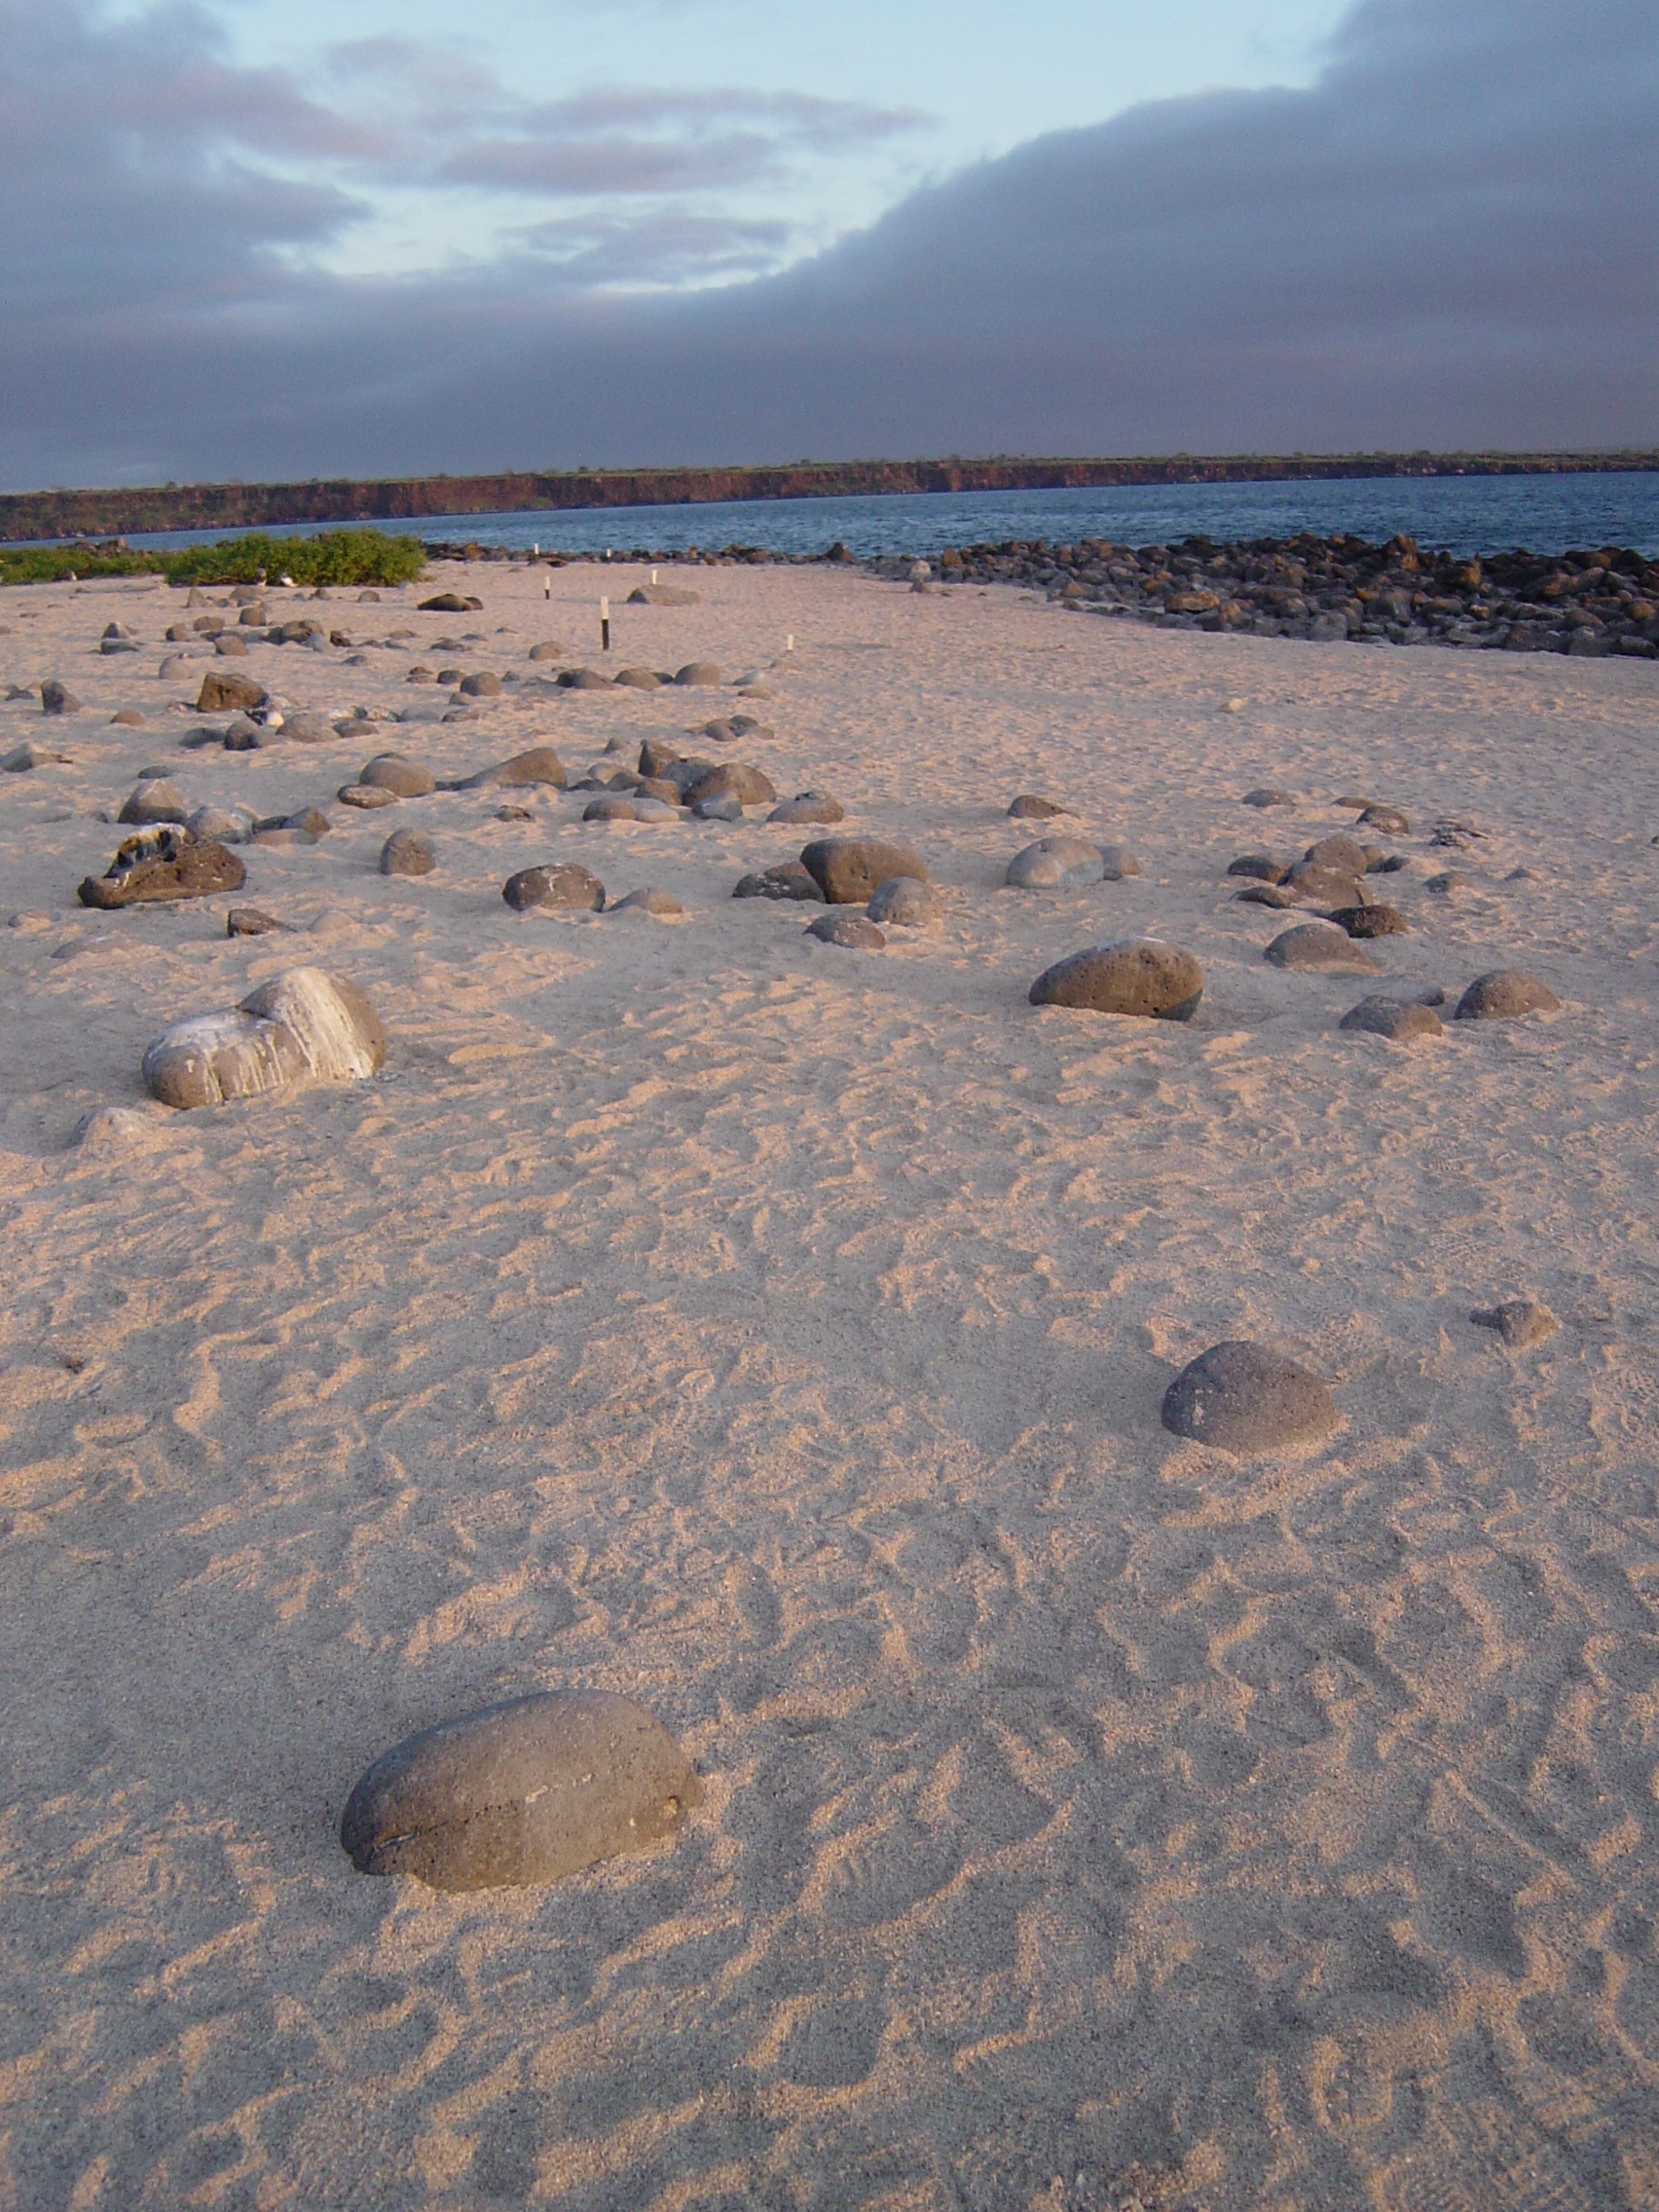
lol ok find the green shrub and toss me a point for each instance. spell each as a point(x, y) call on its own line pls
point(332, 556)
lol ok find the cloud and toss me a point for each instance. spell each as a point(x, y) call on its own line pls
point(1449, 239)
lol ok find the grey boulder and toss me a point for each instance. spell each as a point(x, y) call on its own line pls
point(302, 1025)
point(903, 902)
point(1316, 947)
point(1401, 1020)
point(1133, 975)
point(407, 853)
point(849, 871)
point(1056, 864)
point(808, 807)
point(857, 932)
point(1504, 995)
point(568, 888)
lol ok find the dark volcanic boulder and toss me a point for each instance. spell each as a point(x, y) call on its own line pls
point(1376, 920)
point(787, 879)
point(733, 779)
point(1504, 995)
point(161, 864)
point(1028, 807)
point(1258, 867)
point(531, 1791)
point(483, 684)
point(848, 870)
point(549, 889)
point(1135, 974)
point(58, 699)
point(1239, 1398)
point(1520, 1321)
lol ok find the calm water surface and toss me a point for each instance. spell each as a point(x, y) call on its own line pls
point(1465, 515)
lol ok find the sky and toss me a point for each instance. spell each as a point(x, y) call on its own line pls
point(243, 239)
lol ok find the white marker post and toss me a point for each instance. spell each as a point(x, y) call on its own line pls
point(653, 576)
point(789, 643)
point(605, 624)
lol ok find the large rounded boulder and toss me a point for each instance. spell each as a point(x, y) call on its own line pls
point(849, 871)
point(531, 1790)
point(1134, 974)
point(300, 1026)
point(1244, 1399)
point(1506, 995)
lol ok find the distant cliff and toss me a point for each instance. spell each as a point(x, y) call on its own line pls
point(254, 506)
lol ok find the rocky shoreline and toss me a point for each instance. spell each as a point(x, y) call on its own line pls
point(1586, 603)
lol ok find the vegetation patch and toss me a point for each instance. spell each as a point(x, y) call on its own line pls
point(332, 556)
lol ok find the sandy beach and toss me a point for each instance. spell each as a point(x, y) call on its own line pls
point(776, 1333)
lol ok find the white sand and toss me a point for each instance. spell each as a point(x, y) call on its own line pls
point(776, 1334)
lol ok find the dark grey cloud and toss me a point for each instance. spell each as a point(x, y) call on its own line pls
point(1450, 238)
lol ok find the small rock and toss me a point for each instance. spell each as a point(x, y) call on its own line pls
point(579, 679)
point(735, 780)
point(848, 870)
point(483, 684)
point(808, 807)
point(718, 807)
point(308, 729)
point(700, 673)
point(367, 796)
point(228, 646)
point(1314, 947)
point(547, 651)
point(117, 639)
point(1401, 1020)
point(1056, 864)
point(1265, 795)
point(1258, 867)
point(1342, 854)
point(1131, 975)
point(407, 853)
point(56, 698)
point(904, 902)
point(299, 1025)
point(514, 814)
point(451, 603)
point(648, 900)
point(228, 826)
point(611, 808)
point(1521, 1321)
point(787, 879)
point(391, 773)
point(637, 679)
point(568, 888)
point(27, 755)
point(1506, 995)
point(112, 1131)
point(1028, 807)
point(663, 595)
point(159, 866)
point(1238, 1398)
point(529, 1791)
point(128, 718)
point(250, 921)
point(1376, 920)
point(154, 801)
point(1448, 885)
point(540, 766)
point(222, 690)
point(1388, 819)
point(1273, 895)
point(650, 807)
point(1324, 886)
point(656, 756)
point(857, 932)
point(309, 821)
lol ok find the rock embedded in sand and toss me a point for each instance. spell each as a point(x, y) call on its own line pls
point(855, 932)
point(568, 888)
point(807, 807)
point(540, 766)
point(451, 603)
point(1367, 921)
point(228, 646)
point(365, 796)
point(251, 921)
point(301, 1025)
point(663, 595)
point(154, 800)
point(1056, 864)
point(733, 779)
point(407, 853)
point(637, 679)
point(1505, 994)
point(56, 698)
point(1266, 796)
point(391, 773)
point(648, 899)
point(1316, 948)
point(1401, 1020)
point(222, 690)
point(787, 880)
point(1388, 819)
point(1028, 807)
point(547, 649)
point(29, 756)
point(1271, 894)
point(159, 866)
point(308, 729)
point(612, 807)
point(579, 680)
point(1258, 867)
point(483, 684)
point(657, 754)
point(527, 1791)
point(1342, 854)
point(1521, 1322)
point(1131, 975)
point(229, 826)
point(1239, 1398)
point(903, 902)
point(849, 871)
point(701, 675)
